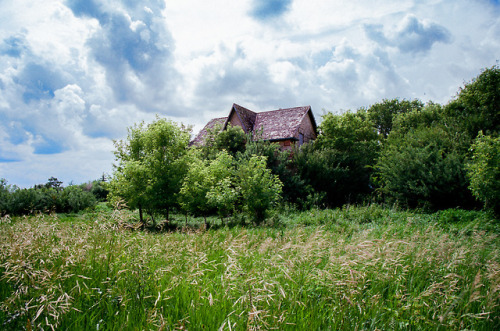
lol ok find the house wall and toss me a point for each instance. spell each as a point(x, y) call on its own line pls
point(235, 121)
point(307, 129)
point(286, 145)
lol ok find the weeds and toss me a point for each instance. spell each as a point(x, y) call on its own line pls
point(353, 268)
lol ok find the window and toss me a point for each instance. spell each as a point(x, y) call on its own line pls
point(301, 139)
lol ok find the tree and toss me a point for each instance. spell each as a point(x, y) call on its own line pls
point(339, 162)
point(280, 163)
point(151, 166)
point(73, 199)
point(484, 171)
point(195, 185)
point(209, 186)
point(477, 105)
point(54, 183)
point(224, 190)
point(233, 140)
point(382, 114)
point(423, 168)
point(4, 196)
point(260, 189)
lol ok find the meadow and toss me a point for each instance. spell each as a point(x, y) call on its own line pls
point(355, 268)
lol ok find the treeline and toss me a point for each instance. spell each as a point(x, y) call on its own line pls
point(401, 152)
point(50, 197)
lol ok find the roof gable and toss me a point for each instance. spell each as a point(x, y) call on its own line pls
point(245, 116)
point(281, 124)
point(200, 137)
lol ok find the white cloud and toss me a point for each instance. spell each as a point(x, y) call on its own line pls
point(75, 74)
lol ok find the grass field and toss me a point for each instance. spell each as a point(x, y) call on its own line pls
point(353, 269)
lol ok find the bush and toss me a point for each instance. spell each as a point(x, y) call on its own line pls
point(484, 171)
point(260, 189)
point(74, 199)
point(423, 168)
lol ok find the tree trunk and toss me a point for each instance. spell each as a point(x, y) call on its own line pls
point(140, 214)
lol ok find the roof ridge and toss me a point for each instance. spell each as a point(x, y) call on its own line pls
point(292, 108)
point(243, 108)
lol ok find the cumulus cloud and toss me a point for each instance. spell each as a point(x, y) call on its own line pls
point(410, 35)
point(135, 49)
point(74, 74)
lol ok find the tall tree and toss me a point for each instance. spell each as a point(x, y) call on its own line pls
point(150, 166)
point(382, 114)
point(477, 106)
point(260, 189)
point(339, 162)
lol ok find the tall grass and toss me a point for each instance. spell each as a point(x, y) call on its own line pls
point(354, 268)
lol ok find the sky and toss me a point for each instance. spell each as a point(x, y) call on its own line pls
point(75, 74)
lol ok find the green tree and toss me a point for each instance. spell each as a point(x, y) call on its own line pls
point(151, 166)
point(74, 199)
point(260, 189)
point(484, 171)
point(281, 164)
point(233, 140)
point(339, 162)
point(382, 114)
point(477, 106)
point(195, 186)
point(209, 186)
point(431, 115)
point(423, 168)
point(224, 191)
point(4, 196)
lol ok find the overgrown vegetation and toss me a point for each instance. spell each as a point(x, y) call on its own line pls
point(51, 197)
point(351, 268)
point(202, 263)
point(395, 152)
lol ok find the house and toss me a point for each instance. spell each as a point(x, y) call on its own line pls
point(287, 127)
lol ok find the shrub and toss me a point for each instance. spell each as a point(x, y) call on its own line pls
point(484, 171)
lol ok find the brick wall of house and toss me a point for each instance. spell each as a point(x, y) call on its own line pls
point(307, 129)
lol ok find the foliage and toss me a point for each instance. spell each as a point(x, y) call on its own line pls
point(4, 196)
point(280, 162)
point(477, 105)
point(224, 191)
point(423, 168)
point(42, 198)
point(151, 166)
point(74, 199)
point(210, 185)
point(260, 189)
point(99, 188)
point(432, 115)
point(382, 114)
point(484, 171)
point(339, 162)
point(233, 140)
point(195, 186)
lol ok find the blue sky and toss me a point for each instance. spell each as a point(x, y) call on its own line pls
point(74, 74)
